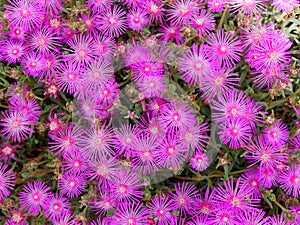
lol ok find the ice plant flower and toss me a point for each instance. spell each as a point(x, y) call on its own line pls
point(290, 180)
point(199, 161)
point(203, 21)
point(72, 184)
point(57, 206)
point(137, 19)
point(34, 197)
point(7, 180)
point(180, 11)
point(129, 214)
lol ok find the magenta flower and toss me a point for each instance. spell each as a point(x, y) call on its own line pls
point(103, 170)
point(171, 152)
point(203, 21)
point(204, 205)
point(235, 197)
point(150, 125)
point(98, 6)
point(26, 106)
point(152, 86)
point(225, 48)
point(255, 7)
point(296, 212)
point(44, 41)
point(69, 77)
point(137, 19)
point(76, 161)
point(25, 13)
point(171, 33)
point(161, 208)
point(278, 134)
point(83, 51)
point(57, 206)
point(91, 23)
point(7, 180)
point(268, 176)
point(12, 50)
point(34, 197)
point(98, 141)
point(113, 21)
point(235, 132)
point(53, 7)
point(7, 151)
point(177, 116)
point(16, 125)
point(195, 137)
point(129, 213)
point(199, 161)
point(65, 219)
point(127, 186)
point(218, 81)
point(265, 153)
point(105, 203)
point(72, 184)
point(107, 94)
point(105, 46)
point(199, 220)
point(195, 64)
point(251, 179)
point(155, 9)
point(33, 64)
point(290, 180)
point(17, 33)
point(66, 140)
point(184, 196)
point(250, 218)
point(181, 11)
point(216, 5)
point(279, 220)
point(285, 6)
point(222, 216)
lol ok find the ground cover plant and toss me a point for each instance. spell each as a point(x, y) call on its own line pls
point(166, 112)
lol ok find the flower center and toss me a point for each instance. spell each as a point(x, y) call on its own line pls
point(82, 53)
point(136, 20)
point(154, 9)
point(15, 51)
point(112, 20)
point(16, 124)
point(176, 117)
point(71, 76)
point(72, 183)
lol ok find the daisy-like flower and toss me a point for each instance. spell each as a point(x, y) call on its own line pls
point(250, 218)
point(199, 220)
point(222, 216)
point(265, 153)
point(268, 176)
point(127, 186)
point(171, 33)
point(294, 143)
point(199, 161)
point(33, 64)
point(171, 152)
point(12, 50)
point(103, 170)
point(290, 180)
point(279, 220)
point(65, 219)
point(152, 86)
point(144, 154)
point(107, 94)
point(104, 203)
point(105, 46)
point(248, 7)
point(150, 125)
point(98, 6)
point(129, 213)
point(251, 179)
point(218, 81)
point(278, 134)
point(216, 5)
point(177, 116)
point(76, 161)
point(34, 197)
point(113, 21)
point(155, 9)
point(231, 104)
point(82, 50)
point(16, 125)
point(161, 208)
point(204, 205)
point(25, 13)
point(69, 77)
point(296, 211)
point(7, 180)
point(7, 151)
point(184, 196)
point(26, 107)
point(180, 11)
point(51, 64)
point(66, 140)
point(44, 41)
point(225, 48)
point(195, 64)
point(98, 141)
point(285, 6)
point(195, 137)
point(72, 184)
point(53, 7)
point(17, 33)
point(235, 197)
point(125, 136)
point(235, 132)
point(90, 22)
point(266, 77)
point(137, 19)
point(272, 51)
point(57, 206)
point(203, 21)
point(98, 73)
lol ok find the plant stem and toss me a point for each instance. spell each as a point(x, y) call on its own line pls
point(222, 19)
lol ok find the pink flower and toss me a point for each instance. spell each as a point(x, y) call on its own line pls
point(7, 180)
point(137, 19)
point(290, 180)
point(181, 11)
point(72, 184)
point(199, 161)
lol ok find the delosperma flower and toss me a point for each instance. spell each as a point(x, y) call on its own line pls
point(249, 218)
point(98, 5)
point(161, 208)
point(290, 180)
point(203, 21)
point(128, 213)
point(105, 46)
point(34, 197)
point(255, 7)
point(7, 180)
point(16, 126)
point(25, 13)
point(222, 216)
point(204, 205)
point(216, 5)
point(13, 50)
point(285, 6)
point(180, 11)
point(137, 19)
point(104, 203)
point(57, 207)
point(155, 9)
point(280, 220)
point(26, 107)
point(33, 64)
point(76, 161)
point(199, 161)
point(152, 86)
point(72, 184)
point(171, 33)
point(277, 134)
point(252, 179)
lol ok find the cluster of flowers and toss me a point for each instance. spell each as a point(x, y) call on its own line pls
point(115, 163)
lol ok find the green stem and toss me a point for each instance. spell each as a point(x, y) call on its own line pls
point(222, 19)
